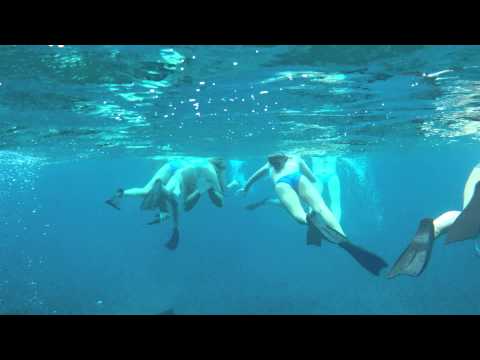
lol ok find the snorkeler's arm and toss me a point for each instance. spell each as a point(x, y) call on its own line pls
point(256, 176)
point(306, 171)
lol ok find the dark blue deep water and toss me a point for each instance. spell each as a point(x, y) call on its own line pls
point(78, 122)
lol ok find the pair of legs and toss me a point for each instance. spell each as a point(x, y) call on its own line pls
point(457, 225)
point(187, 184)
point(162, 175)
point(321, 222)
point(310, 195)
point(197, 180)
point(330, 183)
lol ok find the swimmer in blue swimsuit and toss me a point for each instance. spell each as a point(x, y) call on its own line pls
point(293, 181)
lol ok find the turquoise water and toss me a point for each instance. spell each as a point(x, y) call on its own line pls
point(77, 122)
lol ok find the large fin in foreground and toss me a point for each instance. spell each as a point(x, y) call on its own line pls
point(415, 257)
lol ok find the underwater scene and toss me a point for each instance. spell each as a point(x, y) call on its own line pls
point(239, 179)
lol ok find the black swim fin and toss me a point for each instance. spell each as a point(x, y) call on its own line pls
point(368, 260)
point(415, 257)
point(314, 236)
point(467, 224)
point(173, 242)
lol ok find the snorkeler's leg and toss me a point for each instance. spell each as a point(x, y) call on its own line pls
point(156, 198)
point(290, 200)
point(469, 188)
point(312, 197)
point(325, 222)
point(442, 223)
point(335, 196)
point(467, 225)
point(115, 200)
point(414, 259)
point(161, 174)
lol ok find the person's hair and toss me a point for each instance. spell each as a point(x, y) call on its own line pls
point(274, 160)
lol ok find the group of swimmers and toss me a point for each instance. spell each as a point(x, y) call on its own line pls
point(181, 183)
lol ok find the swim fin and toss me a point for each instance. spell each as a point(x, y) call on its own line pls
point(314, 236)
point(156, 198)
point(368, 260)
point(114, 201)
point(315, 220)
point(467, 224)
point(173, 242)
point(415, 257)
